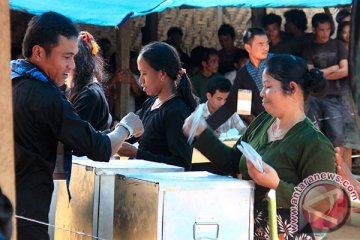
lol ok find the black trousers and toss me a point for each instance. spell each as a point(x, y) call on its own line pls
point(33, 232)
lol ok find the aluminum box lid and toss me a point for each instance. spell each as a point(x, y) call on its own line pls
point(190, 180)
point(124, 166)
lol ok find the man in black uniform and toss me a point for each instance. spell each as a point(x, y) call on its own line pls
point(43, 116)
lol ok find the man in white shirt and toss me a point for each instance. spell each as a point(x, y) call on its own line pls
point(217, 93)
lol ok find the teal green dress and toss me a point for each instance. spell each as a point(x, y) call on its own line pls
point(303, 151)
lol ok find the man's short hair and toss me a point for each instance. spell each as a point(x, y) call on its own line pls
point(226, 29)
point(44, 30)
point(207, 52)
point(250, 33)
point(297, 17)
point(271, 18)
point(219, 83)
point(322, 18)
point(174, 30)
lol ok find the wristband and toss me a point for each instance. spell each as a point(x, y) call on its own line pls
point(128, 129)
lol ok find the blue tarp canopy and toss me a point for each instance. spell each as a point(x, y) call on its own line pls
point(114, 12)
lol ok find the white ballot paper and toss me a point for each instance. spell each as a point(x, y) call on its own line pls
point(195, 123)
point(251, 154)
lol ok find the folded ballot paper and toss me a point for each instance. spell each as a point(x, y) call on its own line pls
point(195, 123)
point(251, 154)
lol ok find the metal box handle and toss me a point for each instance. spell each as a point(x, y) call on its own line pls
point(206, 228)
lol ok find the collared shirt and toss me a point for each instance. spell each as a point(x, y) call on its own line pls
point(42, 117)
point(256, 73)
point(234, 122)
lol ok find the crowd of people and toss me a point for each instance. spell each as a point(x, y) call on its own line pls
point(298, 106)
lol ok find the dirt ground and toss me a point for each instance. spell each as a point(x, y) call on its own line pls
point(350, 231)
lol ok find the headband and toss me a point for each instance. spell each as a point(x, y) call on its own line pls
point(90, 41)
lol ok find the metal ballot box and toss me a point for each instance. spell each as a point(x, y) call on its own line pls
point(91, 209)
point(187, 205)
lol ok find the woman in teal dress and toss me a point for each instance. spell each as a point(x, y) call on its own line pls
point(291, 147)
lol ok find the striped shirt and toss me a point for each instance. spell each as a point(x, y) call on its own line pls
point(256, 73)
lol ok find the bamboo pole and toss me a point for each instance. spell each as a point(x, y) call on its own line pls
point(122, 62)
point(7, 169)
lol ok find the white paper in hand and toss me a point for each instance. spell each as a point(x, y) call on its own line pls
point(195, 123)
point(251, 154)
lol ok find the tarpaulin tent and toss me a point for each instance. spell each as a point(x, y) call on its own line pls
point(114, 12)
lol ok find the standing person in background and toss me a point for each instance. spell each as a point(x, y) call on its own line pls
point(343, 33)
point(196, 57)
point(226, 35)
point(343, 15)
point(346, 98)
point(330, 56)
point(131, 77)
point(240, 60)
point(279, 41)
point(86, 89)
point(163, 114)
point(120, 76)
point(249, 77)
point(291, 148)
point(43, 116)
point(217, 93)
point(174, 38)
point(296, 25)
point(110, 69)
point(209, 69)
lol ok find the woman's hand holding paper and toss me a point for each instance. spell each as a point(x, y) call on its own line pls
point(269, 178)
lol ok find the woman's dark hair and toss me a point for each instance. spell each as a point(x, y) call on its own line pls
point(162, 56)
point(340, 28)
point(87, 68)
point(343, 13)
point(44, 30)
point(288, 68)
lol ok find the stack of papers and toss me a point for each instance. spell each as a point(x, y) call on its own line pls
point(251, 154)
